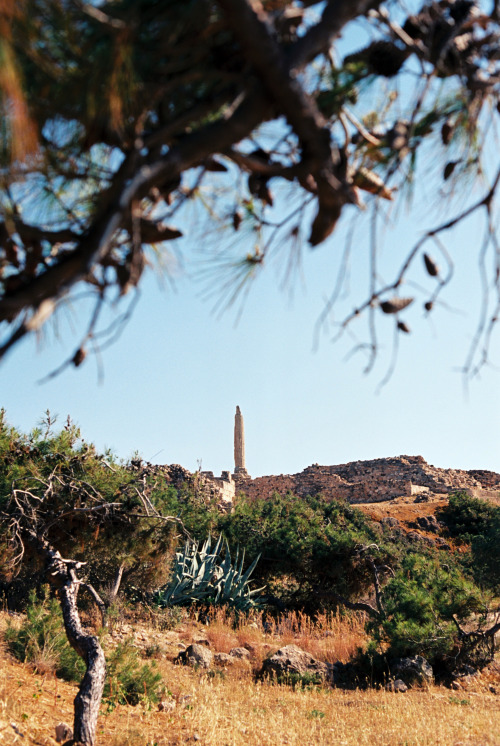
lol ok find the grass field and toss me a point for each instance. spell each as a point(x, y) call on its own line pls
point(225, 706)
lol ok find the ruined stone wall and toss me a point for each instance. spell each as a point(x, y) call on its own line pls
point(489, 480)
point(376, 480)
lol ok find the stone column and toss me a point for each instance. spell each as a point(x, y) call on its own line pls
point(239, 444)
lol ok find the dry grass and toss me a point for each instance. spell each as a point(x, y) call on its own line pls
point(227, 708)
point(329, 637)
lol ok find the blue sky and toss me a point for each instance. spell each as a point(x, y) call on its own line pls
point(171, 382)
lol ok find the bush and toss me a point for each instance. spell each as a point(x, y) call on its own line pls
point(127, 681)
point(486, 556)
point(466, 517)
point(420, 603)
point(309, 547)
point(41, 640)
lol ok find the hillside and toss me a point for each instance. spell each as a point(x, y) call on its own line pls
point(226, 706)
point(376, 480)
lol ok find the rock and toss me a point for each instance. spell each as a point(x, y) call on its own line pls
point(412, 670)
point(167, 705)
point(441, 543)
point(465, 672)
point(455, 685)
point(201, 641)
point(223, 659)
point(292, 661)
point(63, 732)
point(428, 523)
point(195, 655)
point(396, 686)
point(388, 520)
point(239, 653)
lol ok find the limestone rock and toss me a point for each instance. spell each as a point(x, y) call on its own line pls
point(196, 655)
point(413, 671)
point(222, 659)
point(167, 705)
point(291, 660)
point(239, 653)
point(428, 523)
point(390, 521)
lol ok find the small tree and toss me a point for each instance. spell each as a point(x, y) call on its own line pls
point(53, 504)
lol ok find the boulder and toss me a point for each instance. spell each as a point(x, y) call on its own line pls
point(222, 659)
point(396, 686)
point(390, 521)
point(291, 661)
point(413, 671)
point(239, 653)
point(196, 655)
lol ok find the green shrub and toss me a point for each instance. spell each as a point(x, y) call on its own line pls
point(420, 603)
point(128, 681)
point(466, 517)
point(41, 640)
point(309, 547)
point(486, 555)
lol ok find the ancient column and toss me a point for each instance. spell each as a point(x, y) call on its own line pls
point(239, 444)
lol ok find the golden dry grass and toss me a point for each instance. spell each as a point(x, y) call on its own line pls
point(226, 707)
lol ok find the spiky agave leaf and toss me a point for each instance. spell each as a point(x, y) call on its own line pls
point(201, 576)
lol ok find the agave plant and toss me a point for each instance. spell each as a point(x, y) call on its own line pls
point(201, 575)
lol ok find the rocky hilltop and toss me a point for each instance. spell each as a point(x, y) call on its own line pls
point(375, 480)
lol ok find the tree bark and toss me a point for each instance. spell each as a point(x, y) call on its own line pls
point(61, 574)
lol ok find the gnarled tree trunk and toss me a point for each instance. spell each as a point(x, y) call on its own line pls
point(61, 574)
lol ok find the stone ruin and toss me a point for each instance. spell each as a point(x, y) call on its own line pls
point(375, 480)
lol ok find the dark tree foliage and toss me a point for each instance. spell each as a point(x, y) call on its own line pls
point(477, 523)
point(466, 516)
point(486, 555)
point(114, 115)
point(310, 548)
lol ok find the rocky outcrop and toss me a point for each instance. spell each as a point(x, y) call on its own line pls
point(292, 662)
point(412, 671)
point(198, 656)
point(375, 480)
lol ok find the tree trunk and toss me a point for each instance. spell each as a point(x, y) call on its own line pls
point(116, 584)
point(88, 699)
point(61, 574)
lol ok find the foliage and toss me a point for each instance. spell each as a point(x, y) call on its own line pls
point(129, 681)
point(90, 505)
point(41, 640)
point(309, 547)
point(486, 555)
point(113, 117)
point(420, 604)
point(202, 576)
point(466, 517)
